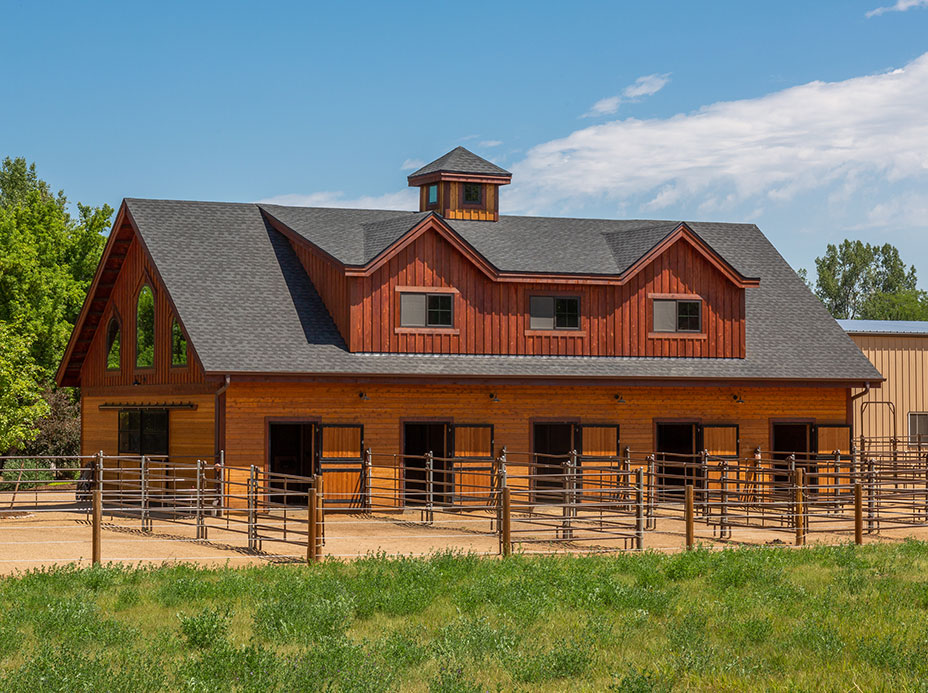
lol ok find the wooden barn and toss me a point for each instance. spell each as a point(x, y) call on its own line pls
point(293, 339)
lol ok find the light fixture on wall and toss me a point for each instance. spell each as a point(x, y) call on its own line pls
point(738, 399)
point(363, 395)
point(493, 397)
point(619, 399)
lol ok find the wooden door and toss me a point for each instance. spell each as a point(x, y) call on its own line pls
point(599, 461)
point(471, 448)
point(341, 464)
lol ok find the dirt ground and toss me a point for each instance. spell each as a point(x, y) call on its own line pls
point(55, 531)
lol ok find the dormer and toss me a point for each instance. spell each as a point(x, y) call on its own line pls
point(460, 185)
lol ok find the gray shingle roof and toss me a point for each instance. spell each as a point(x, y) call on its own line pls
point(248, 306)
point(460, 160)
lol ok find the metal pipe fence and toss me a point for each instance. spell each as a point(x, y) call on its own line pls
point(516, 501)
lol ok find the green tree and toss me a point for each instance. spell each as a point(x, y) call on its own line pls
point(21, 401)
point(47, 260)
point(859, 280)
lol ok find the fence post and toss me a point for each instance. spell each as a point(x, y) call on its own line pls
point(627, 468)
point(567, 499)
point(799, 510)
point(143, 479)
point(703, 481)
point(368, 498)
point(430, 489)
point(198, 502)
point(639, 509)
point(312, 523)
point(502, 481)
point(320, 513)
point(724, 529)
point(97, 523)
point(688, 516)
point(251, 494)
point(506, 526)
point(871, 497)
point(858, 514)
point(652, 485)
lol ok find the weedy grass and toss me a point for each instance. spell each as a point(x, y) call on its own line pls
point(778, 619)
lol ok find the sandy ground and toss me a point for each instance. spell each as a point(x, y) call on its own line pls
point(56, 531)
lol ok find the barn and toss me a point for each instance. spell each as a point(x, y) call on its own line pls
point(306, 341)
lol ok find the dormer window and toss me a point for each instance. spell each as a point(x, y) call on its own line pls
point(473, 194)
point(554, 313)
point(433, 195)
point(426, 310)
point(677, 315)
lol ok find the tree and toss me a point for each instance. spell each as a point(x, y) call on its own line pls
point(859, 280)
point(47, 260)
point(21, 401)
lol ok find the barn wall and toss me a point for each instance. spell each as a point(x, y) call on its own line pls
point(903, 361)
point(136, 271)
point(493, 317)
point(249, 405)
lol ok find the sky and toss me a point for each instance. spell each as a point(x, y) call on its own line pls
point(806, 118)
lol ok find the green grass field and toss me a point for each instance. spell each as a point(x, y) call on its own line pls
point(825, 618)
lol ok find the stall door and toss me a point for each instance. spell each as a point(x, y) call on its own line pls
point(292, 452)
point(472, 463)
point(676, 464)
point(341, 463)
point(420, 438)
point(551, 445)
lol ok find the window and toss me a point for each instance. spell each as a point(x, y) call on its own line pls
point(178, 345)
point(145, 329)
point(473, 193)
point(918, 428)
point(554, 313)
point(677, 315)
point(113, 362)
point(433, 194)
point(426, 310)
point(143, 431)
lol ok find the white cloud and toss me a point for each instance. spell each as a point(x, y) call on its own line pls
point(900, 6)
point(403, 200)
point(412, 164)
point(491, 143)
point(643, 86)
point(862, 131)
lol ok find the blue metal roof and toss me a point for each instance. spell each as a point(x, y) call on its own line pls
point(884, 326)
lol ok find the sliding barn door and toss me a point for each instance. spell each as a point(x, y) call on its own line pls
point(341, 463)
point(472, 463)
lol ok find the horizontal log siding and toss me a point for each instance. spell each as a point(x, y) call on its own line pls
point(134, 271)
point(191, 433)
point(492, 317)
point(331, 284)
point(249, 404)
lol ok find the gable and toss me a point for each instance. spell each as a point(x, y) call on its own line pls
point(124, 268)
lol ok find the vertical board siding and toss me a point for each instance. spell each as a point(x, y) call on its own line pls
point(492, 317)
point(903, 361)
point(134, 272)
point(332, 286)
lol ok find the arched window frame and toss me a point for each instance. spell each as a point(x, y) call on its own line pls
point(175, 324)
point(146, 284)
point(114, 320)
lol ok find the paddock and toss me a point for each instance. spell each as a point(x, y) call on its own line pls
point(140, 510)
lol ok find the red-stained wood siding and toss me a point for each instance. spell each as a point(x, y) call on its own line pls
point(491, 317)
point(330, 282)
point(133, 274)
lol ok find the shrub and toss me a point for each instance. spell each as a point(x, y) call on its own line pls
point(208, 628)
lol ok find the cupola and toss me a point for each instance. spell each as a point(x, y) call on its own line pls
point(460, 185)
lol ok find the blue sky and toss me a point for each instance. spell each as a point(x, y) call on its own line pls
point(807, 118)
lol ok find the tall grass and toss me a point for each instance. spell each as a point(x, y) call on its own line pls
point(822, 618)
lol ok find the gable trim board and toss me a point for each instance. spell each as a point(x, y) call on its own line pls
point(247, 305)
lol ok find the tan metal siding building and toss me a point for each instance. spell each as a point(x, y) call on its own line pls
point(899, 350)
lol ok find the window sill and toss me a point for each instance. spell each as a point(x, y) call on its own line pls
point(677, 335)
point(427, 330)
point(555, 333)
